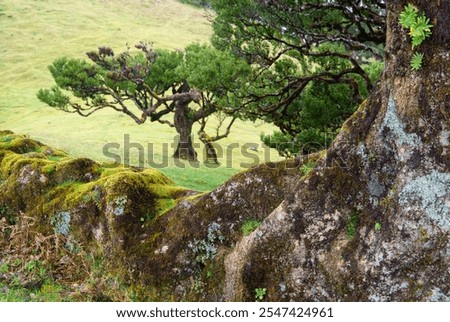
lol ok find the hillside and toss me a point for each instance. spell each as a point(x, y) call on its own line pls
point(37, 32)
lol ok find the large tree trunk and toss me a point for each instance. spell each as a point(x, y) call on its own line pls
point(372, 221)
point(183, 125)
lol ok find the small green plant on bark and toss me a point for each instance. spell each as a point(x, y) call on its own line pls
point(307, 167)
point(416, 61)
point(352, 225)
point(377, 226)
point(93, 196)
point(260, 293)
point(419, 29)
point(249, 226)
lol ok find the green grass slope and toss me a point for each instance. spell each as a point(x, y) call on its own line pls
point(34, 33)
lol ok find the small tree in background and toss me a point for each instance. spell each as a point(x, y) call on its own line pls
point(150, 85)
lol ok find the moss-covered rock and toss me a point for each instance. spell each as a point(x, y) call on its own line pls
point(164, 242)
point(105, 208)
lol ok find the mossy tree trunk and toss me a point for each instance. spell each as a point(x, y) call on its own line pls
point(372, 221)
point(183, 125)
point(183, 122)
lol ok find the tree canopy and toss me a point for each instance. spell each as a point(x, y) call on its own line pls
point(149, 84)
point(314, 60)
point(302, 65)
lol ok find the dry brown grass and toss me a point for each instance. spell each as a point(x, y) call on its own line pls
point(31, 261)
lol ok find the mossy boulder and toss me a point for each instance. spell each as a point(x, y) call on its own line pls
point(107, 208)
point(150, 232)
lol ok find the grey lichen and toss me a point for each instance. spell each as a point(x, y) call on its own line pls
point(61, 222)
point(206, 249)
point(375, 187)
point(444, 138)
point(396, 128)
point(432, 191)
point(361, 152)
point(438, 296)
point(120, 203)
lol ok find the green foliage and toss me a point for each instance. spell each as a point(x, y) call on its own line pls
point(352, 225)
point(7, 139)
point(74, 75)
point(308, 141)
point(212, 70)
point(36, 268)
point(139, 77)
point(418, 25)
point(416, 61)
point(150, 84)
point(307, 167)
point(6, 214)
point(164, 70)
point(377, 226)
point(408, 16)
point(317, 115)
point(249, 226)
point(283, 143)
point(419, 29)
point(260, 293)
point(48, 292)
point(305, 80)
point(53, 97)
point(35, 283)
point(93, 196)
point(4, 268)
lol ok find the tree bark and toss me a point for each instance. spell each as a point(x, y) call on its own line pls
point(211, 154)
point(372, 221)
point(183, 125)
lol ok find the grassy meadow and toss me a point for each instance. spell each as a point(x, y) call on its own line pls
point(34, 33)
